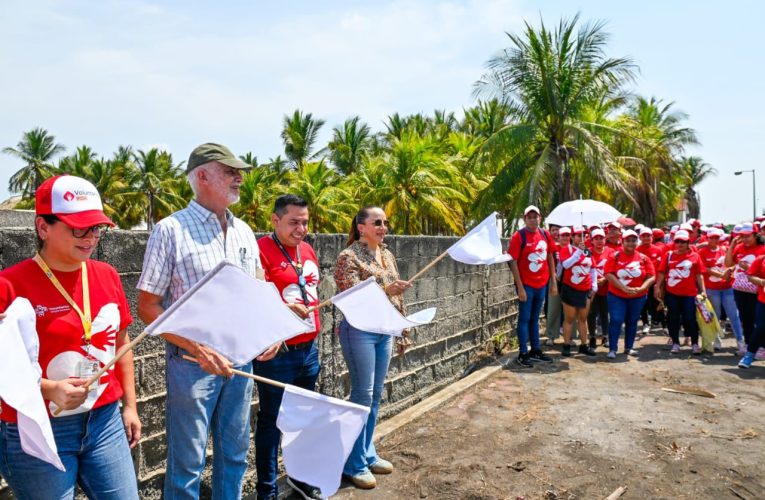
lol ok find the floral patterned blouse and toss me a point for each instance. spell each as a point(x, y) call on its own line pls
point(357, 263)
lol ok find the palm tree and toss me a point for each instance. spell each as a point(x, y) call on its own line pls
point(37, 148)
point(328, 203)
point(547, 79)
point(249, 159)
point(349, 142)
point(299, 135)
point(696, 170)
point(79, 163)
point(260, 187)
point(154, 184)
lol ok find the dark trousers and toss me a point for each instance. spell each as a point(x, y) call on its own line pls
point(300, 368)
point(598, 308)
point(651, 308)
point(758, 336)
point(681, 311)
point(746, 303)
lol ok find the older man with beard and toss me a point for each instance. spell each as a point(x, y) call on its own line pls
point(202, 398)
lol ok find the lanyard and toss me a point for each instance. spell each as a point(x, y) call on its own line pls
point(297, 267)
point(84, 316)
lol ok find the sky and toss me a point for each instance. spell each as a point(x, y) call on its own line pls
point(174, 74)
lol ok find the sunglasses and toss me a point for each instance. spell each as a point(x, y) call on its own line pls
point(379, 223)
point(681, 241)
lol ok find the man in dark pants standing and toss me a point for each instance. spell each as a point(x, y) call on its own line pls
point(289, 263)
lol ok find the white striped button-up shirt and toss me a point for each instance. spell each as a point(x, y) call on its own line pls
point(188, 244)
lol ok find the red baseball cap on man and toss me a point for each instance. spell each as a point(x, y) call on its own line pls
point(73, 200)
point(658, 233)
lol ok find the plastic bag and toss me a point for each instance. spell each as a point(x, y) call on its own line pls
point(709, 325)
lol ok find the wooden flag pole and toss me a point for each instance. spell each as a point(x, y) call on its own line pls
point(123, 350)
point(419, 274)
point(245, 374)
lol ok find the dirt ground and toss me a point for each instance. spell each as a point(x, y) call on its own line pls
point(582, 427)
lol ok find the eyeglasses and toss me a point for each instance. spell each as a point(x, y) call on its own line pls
point(96, 231)
point(379, 223)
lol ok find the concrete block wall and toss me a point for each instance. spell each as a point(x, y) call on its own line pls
point(474, 304)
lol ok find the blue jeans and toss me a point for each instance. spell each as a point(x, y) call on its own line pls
point(528, 317)
point(625, 312)
point(300, 368)
point(725, 299)
point(681, 310)
point(367, 356)
point(199, 404)
point(93, 448)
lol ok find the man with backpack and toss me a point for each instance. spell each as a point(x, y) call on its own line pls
point(532, 250)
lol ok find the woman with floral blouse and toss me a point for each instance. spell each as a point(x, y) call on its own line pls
point(368, 354)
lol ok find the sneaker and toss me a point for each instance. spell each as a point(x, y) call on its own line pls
point(364, 481)
point(549, 342)
point(611, 355)
point(746, 361)
point(523, 360)
point(566, 351)
point(646, 329)
point(675, 349)
point(717, 345)
point(382, 466)
point(305, 490)
point(537, 356)
point(633, 352)
point(741, 347)
point(586, 350)
point(760, 355)
point(696, 349)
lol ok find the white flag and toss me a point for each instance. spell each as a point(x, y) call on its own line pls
point(367, 307)
point(20, 382)
point(318, 435)
point(481, 245)
point(232, 312)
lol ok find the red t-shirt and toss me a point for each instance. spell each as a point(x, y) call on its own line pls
point(758, 269)
point(279, 271)
point(631, 270)
point(578, 276)
point(532, 259)
point(59, 327)
point(714, 260)
point(599, 263)
point(661, 246)
point(747, 254)
point(614, 245)
point(680, 271)
point(653, 252)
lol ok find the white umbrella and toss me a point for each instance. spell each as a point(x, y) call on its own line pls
point(584, 212)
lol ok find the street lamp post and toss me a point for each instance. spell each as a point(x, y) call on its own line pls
point(754, 191)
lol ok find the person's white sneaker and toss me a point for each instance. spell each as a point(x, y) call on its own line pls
point(633, 352)
point(549, 342)
point(646, 329)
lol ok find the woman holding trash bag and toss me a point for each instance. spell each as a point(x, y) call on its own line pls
point(745, 247)
point(82, 316)
point(630, 276)
point(368, 354)
point(682, 270)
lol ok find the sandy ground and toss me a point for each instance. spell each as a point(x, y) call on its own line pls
point(582, 427)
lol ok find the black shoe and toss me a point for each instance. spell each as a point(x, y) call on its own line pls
point(566, 350)
point(305, 490)
point(524, 360)
point(537, 356)
point(593, 342)
point(583, 349)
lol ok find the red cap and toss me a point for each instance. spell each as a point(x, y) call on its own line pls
point(658, 233)
point(73, 200)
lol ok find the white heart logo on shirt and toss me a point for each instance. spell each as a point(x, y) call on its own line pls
point(680, 272)
point(628, 273)
point(538, 257)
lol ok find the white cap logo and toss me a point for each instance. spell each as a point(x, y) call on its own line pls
point(71, 195)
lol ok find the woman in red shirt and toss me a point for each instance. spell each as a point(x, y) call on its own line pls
point(684, 273)
point(578, 286)
point(744, 248)
point(82, 316)
point(756, 274)
point(599, 303)
point(630, 275)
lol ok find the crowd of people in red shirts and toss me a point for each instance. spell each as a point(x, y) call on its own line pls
point(616, 277)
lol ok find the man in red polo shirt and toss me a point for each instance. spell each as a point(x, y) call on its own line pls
point(291, 264)
point(532, 250)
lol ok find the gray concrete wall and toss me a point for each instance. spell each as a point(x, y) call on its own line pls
point(474, 303)
point(17, 218)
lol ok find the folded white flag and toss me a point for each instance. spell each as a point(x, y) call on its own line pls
point(318, 435)
point(367, 307)
point(232, 312)
point(481, 245)
point(20, 382)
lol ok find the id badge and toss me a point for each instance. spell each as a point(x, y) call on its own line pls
point(86, 368)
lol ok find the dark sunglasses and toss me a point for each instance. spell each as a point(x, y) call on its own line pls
point(379, 223)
